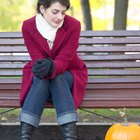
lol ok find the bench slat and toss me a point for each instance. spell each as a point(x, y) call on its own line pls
point(82, 49)
point(14, 58)
point(100, 80)
point(114, 80)
point(104, 41)
point(12, 41)
point(108, 49)
point(103, 86)
point(113, 64)
point(89, 64)
point(98, 72)
point(11, 35)
point(115, 33)
point(82, 41)
point(113, 86)
point(105, 57)
point(13, 49)
point(84, 57)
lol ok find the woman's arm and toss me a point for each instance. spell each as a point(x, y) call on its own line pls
point(66, 54)
point(31, 46)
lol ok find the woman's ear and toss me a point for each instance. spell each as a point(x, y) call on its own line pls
point(42, 9)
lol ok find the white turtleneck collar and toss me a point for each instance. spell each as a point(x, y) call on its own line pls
point(45, 29)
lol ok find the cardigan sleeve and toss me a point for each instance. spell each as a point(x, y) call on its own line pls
point(31, 46)
point(67, 52)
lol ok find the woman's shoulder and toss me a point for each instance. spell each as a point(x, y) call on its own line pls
point(30, 22)
point(69, 20)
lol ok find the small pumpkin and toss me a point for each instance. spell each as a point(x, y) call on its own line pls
point(123, 131)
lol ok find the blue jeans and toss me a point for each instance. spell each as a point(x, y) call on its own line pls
point(59, 90)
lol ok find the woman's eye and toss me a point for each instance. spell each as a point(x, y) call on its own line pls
point(63, 13)
point(54, 12)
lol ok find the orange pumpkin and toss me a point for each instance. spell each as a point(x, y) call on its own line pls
point(123, 131)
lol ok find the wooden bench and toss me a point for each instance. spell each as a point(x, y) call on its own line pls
point(112, 58)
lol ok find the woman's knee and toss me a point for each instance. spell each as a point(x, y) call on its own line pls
point(41, 85)
point(65, 78)
point(58, 80)
point(43, 82)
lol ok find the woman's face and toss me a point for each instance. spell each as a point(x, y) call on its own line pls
point(55, 14)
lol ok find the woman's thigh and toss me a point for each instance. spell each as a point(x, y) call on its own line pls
point(37, 96)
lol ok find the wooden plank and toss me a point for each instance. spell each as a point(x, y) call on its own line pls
point(10, 86)
point(110, 104)
point(9, 92)
point(110, 57)
point(90, 57)
point(12, 41)
point(10, 35)
point(113, 86)
point(85, 104)
point(100, 33)
point(92, 80)
point(91, 72)
point(22, 49)
point(112, 64)
point(114, 80)
point(93, 57)
point(11, 65)
point(94, 86)
point(109, 48)
point(14, 58)
point(114, 94)
point(113, 72)
point(10, 72)
point(115, 33)
point(89, 64)
point(13, 49)
point(93, 41)
point(10, 80)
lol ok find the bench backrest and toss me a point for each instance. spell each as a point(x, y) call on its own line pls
point(112, 58)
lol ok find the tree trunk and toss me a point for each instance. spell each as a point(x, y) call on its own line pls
point(86, 14)
point(120, 14)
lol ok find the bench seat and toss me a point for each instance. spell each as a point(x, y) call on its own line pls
point(112, 59)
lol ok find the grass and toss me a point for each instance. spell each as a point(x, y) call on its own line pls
point(49, 115)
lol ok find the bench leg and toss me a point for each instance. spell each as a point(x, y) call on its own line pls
point(68, 131)
point(26, 131)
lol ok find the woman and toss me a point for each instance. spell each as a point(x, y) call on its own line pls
point(55, 71)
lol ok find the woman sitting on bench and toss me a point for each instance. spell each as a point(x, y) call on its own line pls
point(55, 70)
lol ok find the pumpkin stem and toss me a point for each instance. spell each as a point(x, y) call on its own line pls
point(125, 121)
point(124, 116)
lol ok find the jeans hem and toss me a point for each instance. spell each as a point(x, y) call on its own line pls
point(29, 118)
point(66, 118)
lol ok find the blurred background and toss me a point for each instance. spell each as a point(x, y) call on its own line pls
point(93, 14)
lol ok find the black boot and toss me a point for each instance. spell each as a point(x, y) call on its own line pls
point(68, 131)
point(26, 131)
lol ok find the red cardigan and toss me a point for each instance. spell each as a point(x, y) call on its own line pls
point(63, 53)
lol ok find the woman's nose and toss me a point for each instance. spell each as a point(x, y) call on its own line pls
point(60, 16)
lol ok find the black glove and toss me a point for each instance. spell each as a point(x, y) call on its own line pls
point(43, 67)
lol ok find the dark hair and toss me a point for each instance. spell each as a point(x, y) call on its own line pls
point(47, 3)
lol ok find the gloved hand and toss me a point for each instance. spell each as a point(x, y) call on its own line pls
point(43, 67)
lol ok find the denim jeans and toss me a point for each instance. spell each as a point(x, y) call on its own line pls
point(59, 90)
